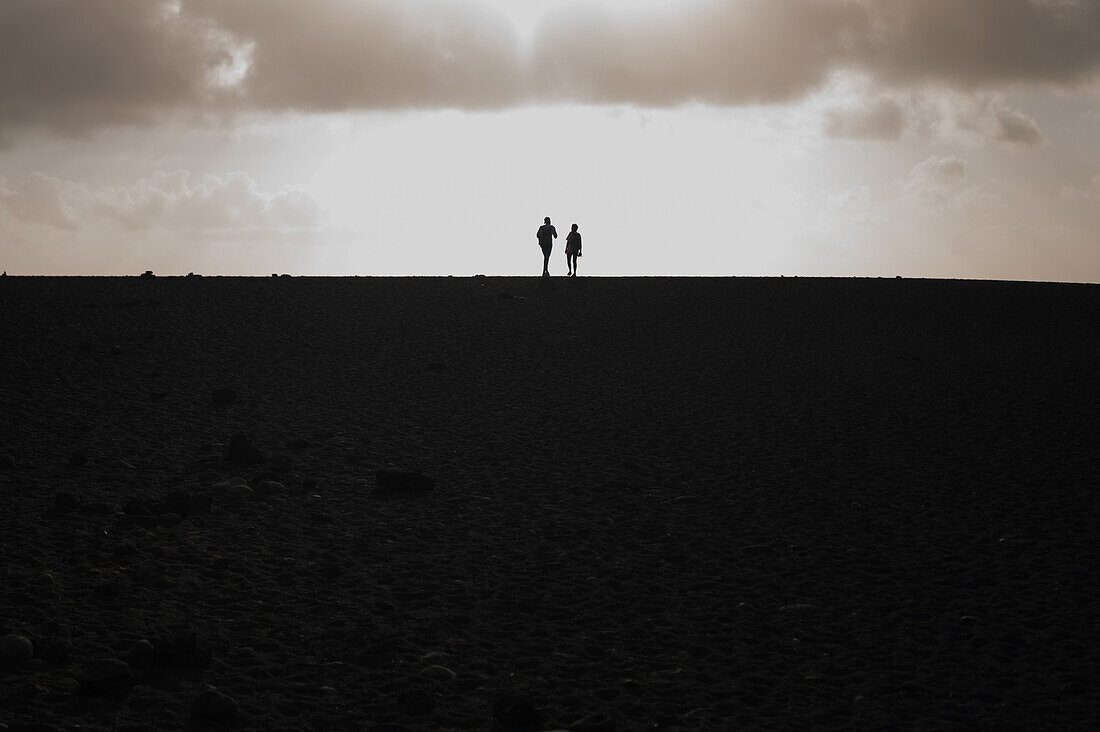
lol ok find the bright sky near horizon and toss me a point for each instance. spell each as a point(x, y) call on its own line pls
point(942, 138)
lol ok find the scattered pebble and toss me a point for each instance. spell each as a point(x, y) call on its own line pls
point(66, 501)
point(106, 677)
point(440, 673)
point(243, 451)
point(142, 655)
point(170, 520)
point(214, 706)
point(182, 651)
point(270, 488)
point(15, 649)
point(54, 650)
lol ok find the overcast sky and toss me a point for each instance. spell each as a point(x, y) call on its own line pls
point(943, 138)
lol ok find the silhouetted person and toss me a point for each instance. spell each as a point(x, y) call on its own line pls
point(546, 236)
point(572, 250)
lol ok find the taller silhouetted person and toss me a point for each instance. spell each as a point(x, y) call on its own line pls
point(572, 250)
point(546, 236)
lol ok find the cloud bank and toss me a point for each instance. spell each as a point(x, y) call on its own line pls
point(74, 65)
point(165, 201)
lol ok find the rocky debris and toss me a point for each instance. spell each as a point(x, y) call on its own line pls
point(439, 673)
point(66, 501)
point(270, 488)
point(144, 520)
point(182, 651)
point(158, 396)
point(241, 450)
point(142, 655)
point(513, 713)
point(214, 706)
point(169, 520)
point(233, 489)
point(594, 723)
point(136, 507)
point(7, 462)
point(403, 482)
point(437, 366)
point(15, 649)
point(147, 273)
point(223, 397)
point(106, 677)
point(77, 460)
point(54, 650)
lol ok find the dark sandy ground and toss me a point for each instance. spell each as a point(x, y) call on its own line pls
point(671, 503)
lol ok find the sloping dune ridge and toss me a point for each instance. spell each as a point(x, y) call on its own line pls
point(641, 503)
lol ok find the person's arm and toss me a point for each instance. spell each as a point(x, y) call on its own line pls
point(578, 243)
point(554, 231)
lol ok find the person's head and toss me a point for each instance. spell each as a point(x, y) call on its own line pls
point(546, 220)
point(574, 227)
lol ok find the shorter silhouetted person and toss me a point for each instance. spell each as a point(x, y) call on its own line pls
point(572, 250)
point(546, 236)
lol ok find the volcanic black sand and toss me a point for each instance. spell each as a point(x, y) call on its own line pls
point(672, 503)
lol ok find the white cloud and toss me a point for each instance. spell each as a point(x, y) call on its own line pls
point(1091, 193)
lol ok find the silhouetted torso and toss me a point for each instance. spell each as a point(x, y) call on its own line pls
point(547, 234)
point(573, 242)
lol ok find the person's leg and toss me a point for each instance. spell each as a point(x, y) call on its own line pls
point(545, 260)
point(574, 265)
point(568, 264)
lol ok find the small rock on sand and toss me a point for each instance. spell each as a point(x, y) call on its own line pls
point(15, 649)
point(440, 673)
point(182, 651)
point(223, 397)
point(270, 488)
point(214, 706)
point(169, 520)
point(106, 677)
point(66, 501)
point(142, 655)
point(243, 451)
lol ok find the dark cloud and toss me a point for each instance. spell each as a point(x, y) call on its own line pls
point(333, 55)
point(1018, 128)
point(976, 43)
point(712, 52)
point(73, 65)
